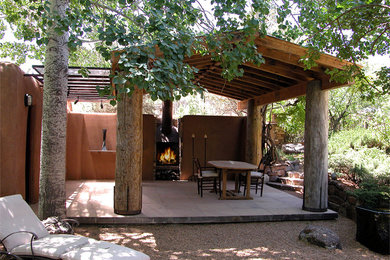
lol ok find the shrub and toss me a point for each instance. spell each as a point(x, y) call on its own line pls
point(374, 194)
point(356, 154)
point(356, 164)
point(371, 142)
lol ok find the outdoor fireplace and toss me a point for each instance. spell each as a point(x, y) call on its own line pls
point(167, 147)
point(167, 153)
point(167, 161)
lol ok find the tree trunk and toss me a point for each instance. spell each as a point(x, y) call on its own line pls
point(316, 149)
point(166, 124)
point(53, 151)
point(253, 133)
point(128, 173)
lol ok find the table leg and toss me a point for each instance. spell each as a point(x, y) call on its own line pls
point(236, 176)
point(248, 185)
point(224, 180)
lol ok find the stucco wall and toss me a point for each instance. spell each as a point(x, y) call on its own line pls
point(225, 140)
point(13, 129)
point(85, 160)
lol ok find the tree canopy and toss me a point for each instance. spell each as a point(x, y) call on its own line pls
point(151, 38)
point(350, 30)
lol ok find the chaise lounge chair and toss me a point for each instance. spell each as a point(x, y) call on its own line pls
point(23, 234)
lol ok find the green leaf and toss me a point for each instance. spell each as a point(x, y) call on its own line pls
point(113, 102)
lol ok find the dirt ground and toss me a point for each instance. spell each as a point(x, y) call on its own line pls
point(265, 240)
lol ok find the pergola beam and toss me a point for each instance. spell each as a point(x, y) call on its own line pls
point(294, 49)
point(283, 94)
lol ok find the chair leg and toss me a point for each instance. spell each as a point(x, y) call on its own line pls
point(219, 183)
point(201, 188)
point(262, 187)
point(239, 183)
point(257, 184)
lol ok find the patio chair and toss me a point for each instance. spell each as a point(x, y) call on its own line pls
point(208, 178)
point(257, 178)
point(23, 234)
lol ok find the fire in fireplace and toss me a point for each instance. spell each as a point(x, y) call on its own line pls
point(167, 153)
point(167, 157)
point(167, 161)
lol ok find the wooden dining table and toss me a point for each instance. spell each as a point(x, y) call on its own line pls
point(234, 167)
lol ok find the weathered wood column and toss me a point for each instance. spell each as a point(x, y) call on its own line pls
point(128, 173)
point(254, 129)
point(316, 149)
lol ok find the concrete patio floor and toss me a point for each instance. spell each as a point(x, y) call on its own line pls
point(91, 202)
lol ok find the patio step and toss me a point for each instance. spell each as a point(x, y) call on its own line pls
point(295, 174)
point(282, 186)
point(291, 181)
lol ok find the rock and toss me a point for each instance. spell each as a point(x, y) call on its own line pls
point(336, 199)
point(54, 225)
point(352, 200)
point(320, 236)
point(279, 173)
point(293, 148)
point(266, 178)
point(331, 189)
point(293, 165)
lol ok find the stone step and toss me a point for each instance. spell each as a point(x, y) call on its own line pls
point(295, 174)
point(282, 186)
point(291, 181)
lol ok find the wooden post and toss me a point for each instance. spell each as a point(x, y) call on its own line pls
point(254, 120)
point(128, 173)
point(316, 149)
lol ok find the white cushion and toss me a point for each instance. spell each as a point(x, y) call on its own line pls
point(52, 246)
point(99, 250)
point(209, 174)
point(16, 215)
point(256, 174)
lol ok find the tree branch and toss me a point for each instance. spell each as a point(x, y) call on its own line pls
point(293, 16)
point(370, 84)
point(373, 44)
point(345, 13)
point(209, 24)
point(114, 11)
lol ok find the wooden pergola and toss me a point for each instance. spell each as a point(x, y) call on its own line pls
point(283, 76)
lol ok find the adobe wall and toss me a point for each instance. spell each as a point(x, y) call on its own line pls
point(84, 157)
point(225, 140)
point(13, 129)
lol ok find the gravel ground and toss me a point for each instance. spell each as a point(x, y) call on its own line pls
point(265, 240)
